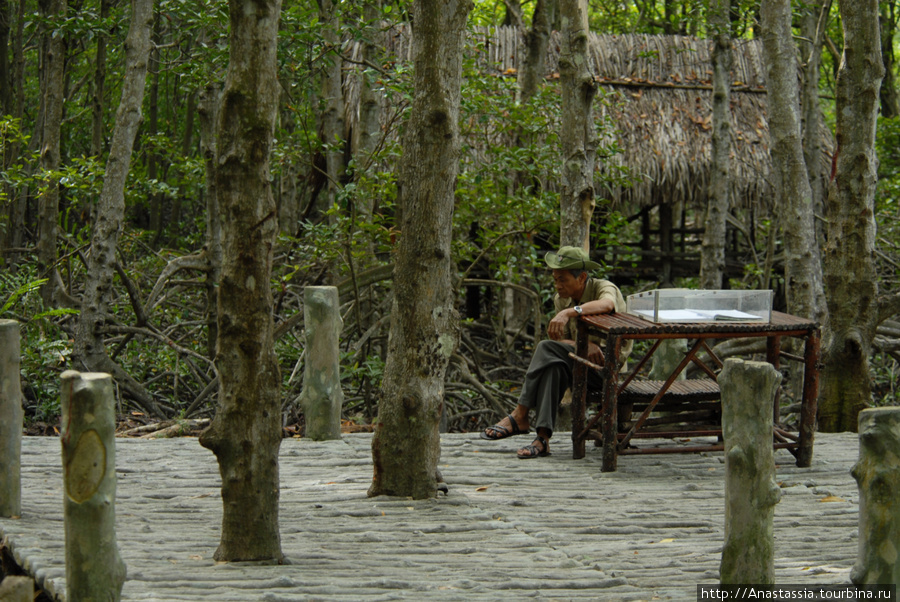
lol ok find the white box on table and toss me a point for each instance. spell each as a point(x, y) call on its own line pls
point(692, 305)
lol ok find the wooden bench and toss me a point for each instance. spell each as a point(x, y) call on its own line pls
point(688, 407)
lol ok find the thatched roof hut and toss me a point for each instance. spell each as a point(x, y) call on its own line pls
point(657, 90)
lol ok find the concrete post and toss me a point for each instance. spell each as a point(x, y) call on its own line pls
point(877, 474)
point(11, 417)
point(748, 390)
point(322, 397)
point(666, 359)
point(94, 569)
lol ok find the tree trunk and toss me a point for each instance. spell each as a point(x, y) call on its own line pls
point(812, 35)
point(6, 97)
point(850, 271)
point(89, 349)
point(52, 91)
point(99, 86)
point(579, 138)
point(246, 432)
point(890, 101)
point(803, 270)
point(333, 96)
point(423, 334)
point(370, 99)
point(712, 256)
point(532, 69)
point(208, 113)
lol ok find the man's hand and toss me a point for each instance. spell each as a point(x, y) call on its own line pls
point(556, 329)
point(595, 354)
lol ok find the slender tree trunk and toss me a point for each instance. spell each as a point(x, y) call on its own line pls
point(99, 86)
point(812, 28)
point(52, 91)
point(423, 334)
point(333, 95)
point(153, 159)
point(712, 256)
point(208, 113)
point(850, 271)
point(890, 100)
point(245, 435)
point(803, 269)
point(579, 137)
point(6, 97)
point(370, 101)
point(89, 350)
point(537, 39)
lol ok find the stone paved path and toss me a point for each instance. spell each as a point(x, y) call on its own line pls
point(546, 529)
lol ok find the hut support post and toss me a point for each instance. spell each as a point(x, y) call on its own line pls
point(322, 397)
point(94, 568)
point(11, 417)
point(751, 492)
point(877, 474)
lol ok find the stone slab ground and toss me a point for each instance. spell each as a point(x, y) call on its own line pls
point(545, 529)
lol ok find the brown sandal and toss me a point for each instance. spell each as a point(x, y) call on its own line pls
point(533, 451)
point(497, 432)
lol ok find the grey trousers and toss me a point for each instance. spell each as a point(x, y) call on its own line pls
point(546, 381)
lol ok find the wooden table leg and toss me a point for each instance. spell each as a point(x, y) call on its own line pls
point(610, 405)
point(579, 393)
point(810, 404)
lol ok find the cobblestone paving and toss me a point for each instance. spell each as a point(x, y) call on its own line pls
point(545, 529)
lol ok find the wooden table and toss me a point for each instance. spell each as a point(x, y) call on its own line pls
point(619, 327)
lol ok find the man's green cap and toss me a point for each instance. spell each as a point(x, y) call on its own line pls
point(570, 258)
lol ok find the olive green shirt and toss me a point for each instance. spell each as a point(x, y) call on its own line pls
point(594, 289)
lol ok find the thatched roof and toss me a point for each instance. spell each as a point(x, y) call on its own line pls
point(658, 92)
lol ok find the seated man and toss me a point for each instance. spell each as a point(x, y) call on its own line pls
point(550, 371)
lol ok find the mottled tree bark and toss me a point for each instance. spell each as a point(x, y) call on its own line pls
point(89, 349)
point(803, 269)
point(423, 334)
point(52, 90)
point(890, 100)
point(712, 254)
point(812, 35)
point(578, 139)
point(532, 68)
point(332, 124)
point(99, 86)
point(208, 111)
point(245, 434)
point(850, 271)
point(6, 97)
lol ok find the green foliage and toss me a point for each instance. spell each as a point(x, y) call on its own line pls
point(44, 347)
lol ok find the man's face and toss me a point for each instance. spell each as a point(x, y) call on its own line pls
point(567, 286)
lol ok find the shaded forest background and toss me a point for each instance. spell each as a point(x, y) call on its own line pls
point(345, 90)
